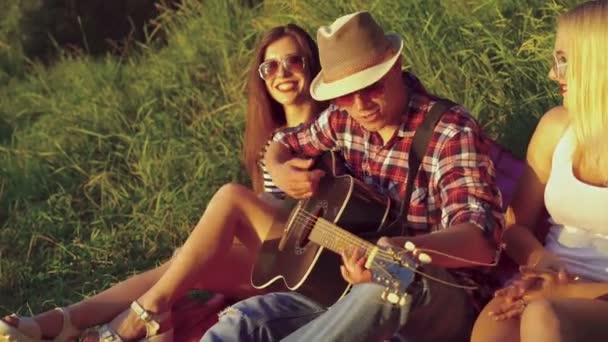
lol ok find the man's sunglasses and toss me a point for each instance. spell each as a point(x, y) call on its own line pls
point(374, 90)
point(269, 68)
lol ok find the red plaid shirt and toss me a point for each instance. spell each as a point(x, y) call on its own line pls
point(454, 185)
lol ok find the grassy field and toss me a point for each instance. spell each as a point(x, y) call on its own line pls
point(107, 162)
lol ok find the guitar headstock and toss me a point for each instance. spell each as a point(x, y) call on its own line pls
point(394, 269)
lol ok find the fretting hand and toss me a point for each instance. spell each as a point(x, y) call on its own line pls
point(353, 269)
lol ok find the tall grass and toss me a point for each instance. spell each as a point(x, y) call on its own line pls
point(106, 163)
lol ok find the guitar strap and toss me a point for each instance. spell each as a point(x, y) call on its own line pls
point(420, 144)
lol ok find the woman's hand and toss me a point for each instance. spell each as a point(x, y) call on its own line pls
point(532, 285)
point(545, 260)
point(543, 265)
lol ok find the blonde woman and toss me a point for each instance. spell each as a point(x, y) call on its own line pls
point(561, 293)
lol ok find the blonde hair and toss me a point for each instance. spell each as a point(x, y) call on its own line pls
point(586, 48)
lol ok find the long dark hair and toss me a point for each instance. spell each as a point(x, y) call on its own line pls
point(264, 114)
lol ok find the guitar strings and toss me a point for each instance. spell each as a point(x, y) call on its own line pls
point(454, 257)
point(383, 255)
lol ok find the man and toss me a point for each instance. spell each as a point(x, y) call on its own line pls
point(376, 110)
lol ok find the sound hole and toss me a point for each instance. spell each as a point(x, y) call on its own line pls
point(308, 221)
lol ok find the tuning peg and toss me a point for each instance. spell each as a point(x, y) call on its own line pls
point(393, 297)
point(425, 258)
point(409, 246)
point(422, 257)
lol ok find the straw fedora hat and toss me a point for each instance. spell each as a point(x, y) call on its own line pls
point(355, 53)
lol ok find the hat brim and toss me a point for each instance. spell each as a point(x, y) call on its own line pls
point(322, 91)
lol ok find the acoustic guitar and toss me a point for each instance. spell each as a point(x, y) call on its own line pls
point(303, 247)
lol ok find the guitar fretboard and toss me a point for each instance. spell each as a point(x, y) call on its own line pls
point(336, 239)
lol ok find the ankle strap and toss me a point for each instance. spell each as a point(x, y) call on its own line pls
point(68, 330)
point(152, 325)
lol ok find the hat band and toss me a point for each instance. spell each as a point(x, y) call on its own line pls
point(369, 62)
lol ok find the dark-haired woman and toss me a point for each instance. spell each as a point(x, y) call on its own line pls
point(228, 234)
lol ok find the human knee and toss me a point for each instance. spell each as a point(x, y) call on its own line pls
point(368, 294)
point(231, 192)
point(540, 316)
point(368, 299)
point(487, 329)
point(262, 318)
point(232, 325)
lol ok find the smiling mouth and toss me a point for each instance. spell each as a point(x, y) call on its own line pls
point(370, 116)
point(287, 86)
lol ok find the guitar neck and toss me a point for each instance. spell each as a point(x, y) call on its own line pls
point(336, 239)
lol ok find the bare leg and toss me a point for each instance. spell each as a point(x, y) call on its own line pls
point(100, 308)
point(208, 254)
point(486, 329)
point(209, 258)
point(231, 204)
point(565, 319)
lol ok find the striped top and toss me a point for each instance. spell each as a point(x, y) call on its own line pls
point(269, 185)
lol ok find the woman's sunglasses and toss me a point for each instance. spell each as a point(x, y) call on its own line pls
point(373, 91)
point(269, 68)
point(560, 64)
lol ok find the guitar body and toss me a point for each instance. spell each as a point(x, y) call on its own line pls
point(305, 266)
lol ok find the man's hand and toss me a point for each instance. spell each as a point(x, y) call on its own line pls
point(353, 270)
point(294, 177)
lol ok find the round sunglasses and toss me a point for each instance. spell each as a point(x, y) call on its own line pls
point(293, 63)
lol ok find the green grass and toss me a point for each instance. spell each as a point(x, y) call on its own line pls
point(106, 163)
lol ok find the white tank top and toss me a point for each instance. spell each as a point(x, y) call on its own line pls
point(579, 216)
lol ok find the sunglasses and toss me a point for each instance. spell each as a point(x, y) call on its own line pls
point(560, 64)
point(372, 91)
point(269, 68)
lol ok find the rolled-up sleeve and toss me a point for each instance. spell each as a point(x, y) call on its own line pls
point(311, 139)
point(465, 177)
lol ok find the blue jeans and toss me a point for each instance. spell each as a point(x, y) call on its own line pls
point(361, 315)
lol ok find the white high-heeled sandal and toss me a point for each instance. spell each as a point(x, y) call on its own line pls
point(28, 330)
point(151, 322)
